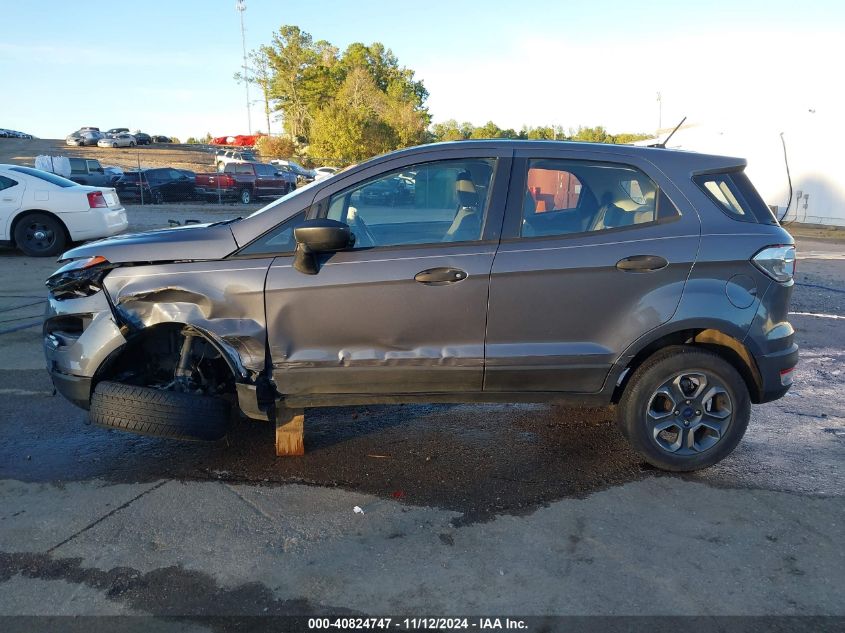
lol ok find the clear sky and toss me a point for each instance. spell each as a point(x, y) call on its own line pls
point(167, 67)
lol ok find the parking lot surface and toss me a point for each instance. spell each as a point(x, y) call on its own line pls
point(463, 509)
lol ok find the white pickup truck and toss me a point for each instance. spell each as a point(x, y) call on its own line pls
point(226, 156)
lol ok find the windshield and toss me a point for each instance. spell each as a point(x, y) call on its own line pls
point(53, 179)
point(289, 196)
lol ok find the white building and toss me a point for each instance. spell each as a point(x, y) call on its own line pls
point(814, 151)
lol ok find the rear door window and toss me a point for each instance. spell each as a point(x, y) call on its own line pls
point(737, 198)
point(564, 197)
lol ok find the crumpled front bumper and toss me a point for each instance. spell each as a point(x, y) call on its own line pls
point(79, 335)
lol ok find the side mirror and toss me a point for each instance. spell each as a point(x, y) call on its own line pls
point(318, 236)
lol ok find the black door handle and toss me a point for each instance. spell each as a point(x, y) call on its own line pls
point(440, 276)
point(642, 263)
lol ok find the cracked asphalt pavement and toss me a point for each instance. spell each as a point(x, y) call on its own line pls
point(466, 509)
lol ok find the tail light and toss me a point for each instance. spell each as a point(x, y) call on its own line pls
point(778, 262)
point(96, 200)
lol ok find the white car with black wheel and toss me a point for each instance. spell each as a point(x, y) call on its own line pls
point(118, 140)
point(42, 213)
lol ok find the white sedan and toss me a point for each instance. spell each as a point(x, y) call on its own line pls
point(118, 140)
point(40, 212)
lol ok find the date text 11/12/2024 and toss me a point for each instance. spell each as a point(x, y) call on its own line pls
point(418, 624)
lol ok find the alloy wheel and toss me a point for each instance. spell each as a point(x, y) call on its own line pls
point(689, 413)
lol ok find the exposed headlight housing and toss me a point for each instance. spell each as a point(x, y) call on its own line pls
point(778, 262)
point(79, 278)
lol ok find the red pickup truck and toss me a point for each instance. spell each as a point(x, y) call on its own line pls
point(245, 182)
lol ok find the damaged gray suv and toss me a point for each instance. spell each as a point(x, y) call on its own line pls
point(489, 271)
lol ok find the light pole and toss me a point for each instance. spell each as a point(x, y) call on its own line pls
point(240, 5)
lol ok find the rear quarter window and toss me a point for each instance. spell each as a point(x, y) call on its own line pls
point(737, 198)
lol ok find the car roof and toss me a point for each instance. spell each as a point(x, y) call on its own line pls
point(658, 155)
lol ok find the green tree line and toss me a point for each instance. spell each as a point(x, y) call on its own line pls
point(346, 106)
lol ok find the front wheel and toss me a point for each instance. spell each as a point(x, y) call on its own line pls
point(148, 411)
point(684, 409)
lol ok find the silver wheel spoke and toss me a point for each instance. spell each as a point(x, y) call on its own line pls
point(716, 403)
point(689, 439)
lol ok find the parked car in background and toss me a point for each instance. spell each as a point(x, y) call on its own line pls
point(387, 191)
point(142, 139)
point(155, 186)
point(303, 174)
point(157, 138)
point(41, 213)
point(89, 171)
point(113, 172)
point(324, 172)
point(4, 133)
point(118, 140)
point(245, 182)
point(84, 137)
point(117, 130)
point(226, 156)
point(582, 274)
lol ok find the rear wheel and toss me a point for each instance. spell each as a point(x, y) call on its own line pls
point(131, 144)
point(245, 196)
point(40, 235)
point(158, 197)
point(684, 409)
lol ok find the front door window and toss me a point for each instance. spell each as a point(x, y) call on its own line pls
point(430, 203)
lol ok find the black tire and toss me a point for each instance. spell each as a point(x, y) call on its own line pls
point(131, 144)
point(158, 197)
point(636, 409)
point(147, 411)
point(245, 196)
point(40, 235)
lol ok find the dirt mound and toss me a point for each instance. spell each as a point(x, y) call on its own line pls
point(193, 157)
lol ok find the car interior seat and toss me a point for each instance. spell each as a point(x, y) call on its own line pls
point(467, 222)
point(610, 215)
